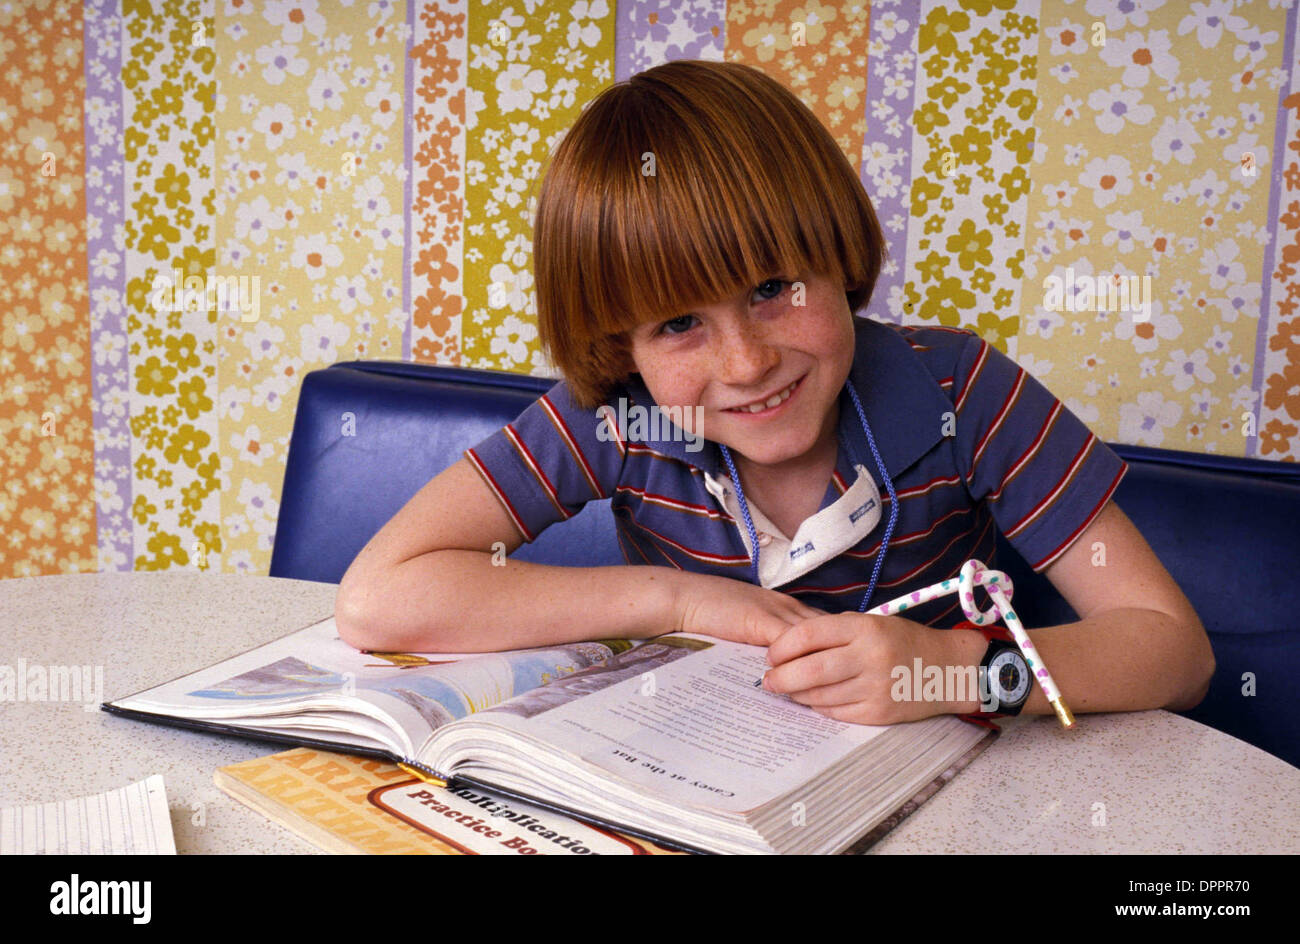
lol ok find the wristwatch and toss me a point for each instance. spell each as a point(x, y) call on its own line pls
point(1003, 675)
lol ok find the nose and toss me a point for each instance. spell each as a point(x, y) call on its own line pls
point(746, 356)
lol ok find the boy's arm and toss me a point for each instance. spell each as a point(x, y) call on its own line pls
point(427, 582)
point(1138, 643)
point(1039, 471)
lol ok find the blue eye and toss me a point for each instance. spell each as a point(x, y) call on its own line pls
point(679, 325)
point(683, 323)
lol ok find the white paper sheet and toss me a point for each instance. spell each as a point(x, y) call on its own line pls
point(132, 820)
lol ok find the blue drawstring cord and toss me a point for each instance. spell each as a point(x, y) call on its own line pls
point(889, 486)
point(744, 513)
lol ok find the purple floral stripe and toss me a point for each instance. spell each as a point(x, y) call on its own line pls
point(649, 32)
point(1276, 186)
point(408, 151)
point(886, 165)
point(106, 270)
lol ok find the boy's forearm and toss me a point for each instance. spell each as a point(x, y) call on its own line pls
point(459, 601)
point(1128, 659)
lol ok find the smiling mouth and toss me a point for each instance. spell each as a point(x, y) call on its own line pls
point(775, 400)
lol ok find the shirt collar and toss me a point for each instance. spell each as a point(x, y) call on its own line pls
point(903, 403)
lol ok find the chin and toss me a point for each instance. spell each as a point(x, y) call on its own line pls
point(767, 452)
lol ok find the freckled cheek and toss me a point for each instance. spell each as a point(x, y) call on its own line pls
point(839, 344)
point(687, 390)
point(675, 384)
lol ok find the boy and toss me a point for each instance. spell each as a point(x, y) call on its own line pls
point(701, 245)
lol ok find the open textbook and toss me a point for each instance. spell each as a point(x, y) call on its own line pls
point(669, 738)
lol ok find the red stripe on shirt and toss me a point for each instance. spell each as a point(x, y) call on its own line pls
point(913, 329)
point(611, 424)
point(921, 568)
point(1050, 558)
point(1050, 498)
point(850, 587)
point(640, 449)
point(531, 461)
point(624, 510)
point(1002, 414)
point(625, 537)
point(563, 429)
point(922, 489)
point(1029, 453)
point(921, 535)
point(908, 539)
point(722, 559)
point(622, 546)
point(501, 496)
point(673, 503)
point(941, 616)
point(980, 361)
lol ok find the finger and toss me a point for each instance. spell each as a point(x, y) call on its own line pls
point(821, 632)
point(847, 691)
point(824, 669)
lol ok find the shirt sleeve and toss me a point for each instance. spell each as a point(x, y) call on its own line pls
point(1043, 475)
point(550, 461)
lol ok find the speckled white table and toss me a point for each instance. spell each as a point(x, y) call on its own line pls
point(1123, 783)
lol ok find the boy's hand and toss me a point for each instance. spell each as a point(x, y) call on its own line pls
point(841, 666)
point(735, 610)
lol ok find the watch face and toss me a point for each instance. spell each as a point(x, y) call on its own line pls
point(1009, 677)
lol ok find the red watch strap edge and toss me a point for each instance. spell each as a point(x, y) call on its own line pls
point(990, 632)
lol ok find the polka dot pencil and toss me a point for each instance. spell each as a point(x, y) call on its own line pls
point(999, 588)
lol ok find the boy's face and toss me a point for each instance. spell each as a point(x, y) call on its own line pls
point(760, 345)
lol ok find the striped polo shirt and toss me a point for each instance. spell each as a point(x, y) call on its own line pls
point(971, 441)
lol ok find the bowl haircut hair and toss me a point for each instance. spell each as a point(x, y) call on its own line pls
point(684, 185)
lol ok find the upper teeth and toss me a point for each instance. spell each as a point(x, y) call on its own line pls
point(770, 402)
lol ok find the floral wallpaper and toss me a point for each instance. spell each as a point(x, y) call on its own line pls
point(202, 200)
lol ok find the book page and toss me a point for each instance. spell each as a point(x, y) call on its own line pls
point(132, 820)
point(409, 694)
point(696, 729)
